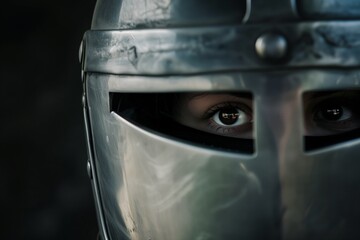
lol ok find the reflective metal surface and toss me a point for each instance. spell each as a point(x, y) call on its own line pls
point(163, 189)
point(154, 186)
point(330, 9)
point(127, 14)
point(226, 48)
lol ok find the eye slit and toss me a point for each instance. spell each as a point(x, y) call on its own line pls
point(157, 112)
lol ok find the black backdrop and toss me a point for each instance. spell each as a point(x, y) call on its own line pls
point(45, 192)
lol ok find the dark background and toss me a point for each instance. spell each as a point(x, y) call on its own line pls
point(45, 191)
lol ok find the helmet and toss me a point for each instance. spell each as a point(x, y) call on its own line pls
point(209, 119)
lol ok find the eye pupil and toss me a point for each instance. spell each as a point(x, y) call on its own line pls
point(332, 113)
point(228, 116)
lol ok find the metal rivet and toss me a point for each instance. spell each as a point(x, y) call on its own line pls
point(89, 170)
point(271, 46)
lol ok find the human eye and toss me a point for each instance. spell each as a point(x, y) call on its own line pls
point(225, 114)
point(334, 114)
point(232, 119)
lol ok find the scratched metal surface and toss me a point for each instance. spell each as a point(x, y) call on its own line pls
point(227, 48)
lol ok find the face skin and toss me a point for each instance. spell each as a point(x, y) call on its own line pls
point(218, 113)
point(228, 114)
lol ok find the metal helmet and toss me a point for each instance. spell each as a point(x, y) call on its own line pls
point(157, 176)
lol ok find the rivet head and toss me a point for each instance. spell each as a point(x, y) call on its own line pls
point(271, 46)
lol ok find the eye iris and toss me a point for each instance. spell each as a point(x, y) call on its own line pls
point(228, 116)
point(332, 113)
